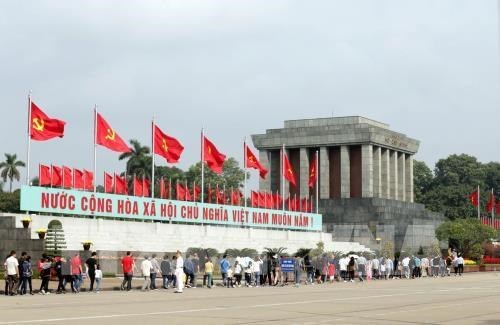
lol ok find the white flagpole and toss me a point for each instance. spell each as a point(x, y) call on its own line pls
point(245, 170)
point(283, 174)
point(29, 141)
point(202, 166)
point(493, 208)
point(317, 182)
point(95, 146)
point(153, 158)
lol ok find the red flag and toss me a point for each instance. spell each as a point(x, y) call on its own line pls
point(278, 200)
point(262, 200)
point(254, 197)
point(79, 184)
point(196, 192)
point(214, 159)
point(67, 177)
point(253, 162)
point(108, 183)
point(43, 127)
point(188, 194)
point(313, 173)
point(210, 192)
point(88, 179)
point(146, 185)
point(236, 197)
point(44, 178)
point(497, 208)
point(166, 146)
point(474, 198)
point(57, 176)
point(138, 187)
point(288, 171)
point(221, 196)
point(269, 201)
point(491, 203)
point(107, 136)
point(120, 185)
point(180, 192)
point(163, 190)
point(303, 205)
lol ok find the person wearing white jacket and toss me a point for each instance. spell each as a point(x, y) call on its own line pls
point(257, 266)
point(179, 272)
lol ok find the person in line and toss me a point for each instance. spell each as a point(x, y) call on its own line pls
point(60, 277)
point(224, 267)
point(179, 271)
point(230, 283)
point(12, 273)
point(20, 267)
point(343, 262)
point(406, 266)
point(298, 266)
point(351, 268)
point(375, 268)
point(449, 262)
point(46, 266)
point(436, 266)
point(155, 269)
point(128, 266)
point(205, 275)
point(270, 270)
point(460, 263)
point(248, 273)
point(256, 268)
point(26, 275)
point(146, 267)
point(361, 267)
point(98, 278)
point(174, 278)
point(382, 268)
point(389, 268)
point(277, 271)
point(197, 268)
point(76, 272)
point(209, 270)
point(189, 271)
point(237, 273)
point(331, 272)
point(416, 269)
point(166, 271)
point(91, 264)
point(66, 273)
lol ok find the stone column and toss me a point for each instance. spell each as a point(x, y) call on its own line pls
point(377, 172)
point(265, 184)
point(401, 177)
point(282, 179)
point(409, 178)
point(324, 173)
point(304, 173)
point(345, 172)
point(393, 157)
point(367, 170)
point(385, 173)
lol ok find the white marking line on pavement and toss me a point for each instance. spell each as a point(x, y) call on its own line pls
point(196, 310)
point(431, 307)
point(219, 308)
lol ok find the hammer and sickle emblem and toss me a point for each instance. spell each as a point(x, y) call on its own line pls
point(290, 171)
point(164, 145)
point(38, 124)
point(251, 159)
point(110, 135)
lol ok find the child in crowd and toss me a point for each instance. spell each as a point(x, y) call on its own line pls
point(237, 273)
point(98, 278)
point(230, 277)
point(331, 272)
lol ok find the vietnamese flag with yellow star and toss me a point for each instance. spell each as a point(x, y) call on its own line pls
point(253, 162)
point(166, 146)
point(107, 137)
point(288, 170)
point(313, 173)
point(212, 156)
point(42, 127)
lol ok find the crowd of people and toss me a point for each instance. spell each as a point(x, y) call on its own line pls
point(178, 272)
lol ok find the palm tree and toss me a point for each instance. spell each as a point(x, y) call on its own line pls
point(139, 159)
point(9, 169)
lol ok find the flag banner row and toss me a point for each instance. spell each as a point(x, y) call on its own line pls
point(72, 202)
point(492, 223)
point(65, 177)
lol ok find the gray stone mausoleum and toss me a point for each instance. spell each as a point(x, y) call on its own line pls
point(365, 178)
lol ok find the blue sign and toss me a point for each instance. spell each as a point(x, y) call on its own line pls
point(287, 264)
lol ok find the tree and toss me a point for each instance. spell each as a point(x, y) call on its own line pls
point(9, 169)
point(1, 186)
point(138, 160)
point(422, 180)
point(466, 236)
point(235, 252)
point(232, 175)
point(55, 241)
point(319, 250)
point(271, 252)
point(9, 202)
point(202, 252)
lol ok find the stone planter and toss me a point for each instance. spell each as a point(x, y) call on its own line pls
point(26, 223)
point(41, 235)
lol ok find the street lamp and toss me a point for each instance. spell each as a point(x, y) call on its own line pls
point(379, 241)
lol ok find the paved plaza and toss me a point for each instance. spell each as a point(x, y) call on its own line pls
point(471, 299)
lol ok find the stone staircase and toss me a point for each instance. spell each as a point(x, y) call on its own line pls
point(15, 237)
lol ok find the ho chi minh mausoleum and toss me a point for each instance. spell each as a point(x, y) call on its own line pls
point(365, 178)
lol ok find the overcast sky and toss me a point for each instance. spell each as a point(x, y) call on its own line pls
point(428, 68)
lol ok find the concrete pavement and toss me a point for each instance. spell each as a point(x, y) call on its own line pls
point(471, 299)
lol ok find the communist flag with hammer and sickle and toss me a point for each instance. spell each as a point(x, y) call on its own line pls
point(288, 171)
point(252, 162)
point(166, 146)
point(42, 127)
point(107, 137)
point(313, 173)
